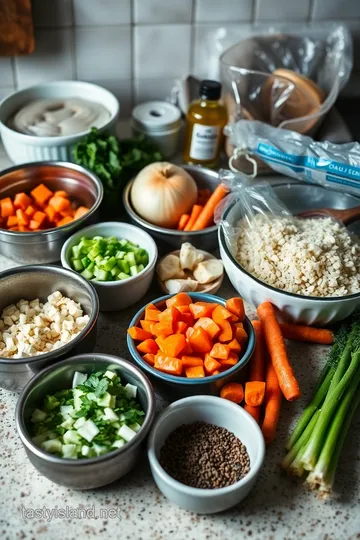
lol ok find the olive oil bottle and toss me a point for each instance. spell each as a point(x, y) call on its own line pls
point(205, 121)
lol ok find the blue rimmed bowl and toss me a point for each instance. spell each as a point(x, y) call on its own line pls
point(172, 387)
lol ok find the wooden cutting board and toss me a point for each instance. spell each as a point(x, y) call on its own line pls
point(16, 27)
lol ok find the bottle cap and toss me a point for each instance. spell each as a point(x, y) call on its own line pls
point(210, 90)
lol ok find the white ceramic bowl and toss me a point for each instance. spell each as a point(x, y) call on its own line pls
point(220, 412)
point(23, 148)
point(116, 295)
point(309, 310)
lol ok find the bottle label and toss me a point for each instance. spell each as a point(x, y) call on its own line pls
point(204, 142)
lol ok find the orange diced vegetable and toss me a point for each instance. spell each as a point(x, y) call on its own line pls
point(40, 217)
point(13, 228)
point(195, 372)
point(51, 213)
point(160, 341)
point(174, 345)
point(202, 309)
point(34, 225)
point(189, 332)
point(22, 201)
point(254, 393)
point(180, 299)
point(220, 314)
point(231, 361)
point(200, 341)
point(239, 333)
point(12, 221)
point(138, 334)
point(220, 351)
point(170, 314)
point(186, 318)
point(226, 333)
point(59, 203)
point(163, 328)
point(81, 211)
point(149, 358)
point(148, 346)
point(170, 365)
point(61, 193)
point(209, 325)
point(236, 306)
point(41, 194)
point(191, 361)
point(180, 327)
point(233, 392)
point(7, 207)
point(210, 364)
point(30, 211)
point(234, 345)
point(22, 218)
point(147, 325)
point(188, 349)
point(152, 313)
point(64, 221)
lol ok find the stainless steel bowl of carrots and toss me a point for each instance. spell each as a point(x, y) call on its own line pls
point(191, 344)
point(205, 238)
point(41, 204)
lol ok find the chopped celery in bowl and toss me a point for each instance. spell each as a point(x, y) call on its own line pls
point(108, 259)
point(96, 416)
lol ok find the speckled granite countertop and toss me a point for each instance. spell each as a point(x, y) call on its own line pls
point(133, 509)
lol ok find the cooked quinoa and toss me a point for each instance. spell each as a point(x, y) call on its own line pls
point(310, 257)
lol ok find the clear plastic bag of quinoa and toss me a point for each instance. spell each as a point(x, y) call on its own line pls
point(247, 203)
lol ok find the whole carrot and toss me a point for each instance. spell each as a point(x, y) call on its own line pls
point(299, 332)
point(254, 411)
point(277, 350)
point(207, 214)
point(272, 404)
point(184, 218)
point(257, 365)
point(195, 213)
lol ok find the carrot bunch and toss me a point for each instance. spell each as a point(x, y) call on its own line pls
point(41, 209)
point(202, 213)
point(191, 339)
point(270, 373)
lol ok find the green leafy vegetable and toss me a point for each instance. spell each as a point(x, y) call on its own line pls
point(114, 161)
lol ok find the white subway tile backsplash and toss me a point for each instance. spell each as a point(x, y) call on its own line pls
point(336, 9)
point(101, 12)
point(52, 13)
point(162, 11)
point(103, 52)
point(153, 89)
point(6, 73)
point(224, 11)
point(211, 40)
point(122, 89)
point(283, 10)
point(52, 59)
point(162, 51)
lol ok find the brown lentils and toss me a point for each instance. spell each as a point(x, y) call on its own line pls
point(203, 455)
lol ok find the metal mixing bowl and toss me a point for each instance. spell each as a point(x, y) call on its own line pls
point(84, 473)
point(83, 187)
point(30, 282)
point(205, 239)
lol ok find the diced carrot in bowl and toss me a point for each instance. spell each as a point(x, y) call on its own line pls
point(41, 194)
point(22, 201)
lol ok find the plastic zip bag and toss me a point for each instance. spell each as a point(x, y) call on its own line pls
point(289, 153)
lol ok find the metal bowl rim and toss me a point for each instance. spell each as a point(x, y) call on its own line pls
point(87, 358)
point(223, 244)
point(62, 164)
point(198, 380)
point(84, 332)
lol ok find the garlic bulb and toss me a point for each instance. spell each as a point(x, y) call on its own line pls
point(162, 192)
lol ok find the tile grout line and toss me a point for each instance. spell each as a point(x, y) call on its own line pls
point(311, 11)
point(73, 43)
point(14, 73)
point(192, 36)
point(132, 54)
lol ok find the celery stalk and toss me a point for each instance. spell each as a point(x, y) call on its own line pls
point(314, 445)
point(301, 441)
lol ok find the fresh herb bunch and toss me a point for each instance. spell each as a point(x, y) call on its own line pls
point(114, 161)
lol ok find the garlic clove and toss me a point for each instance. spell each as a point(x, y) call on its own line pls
point(208, 271)
point(170, 268)
point(190, 256)
point(175, 286)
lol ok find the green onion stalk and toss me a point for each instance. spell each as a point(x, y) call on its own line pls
point(317, 440)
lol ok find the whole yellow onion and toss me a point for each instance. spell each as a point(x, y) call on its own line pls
point(162, 192)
